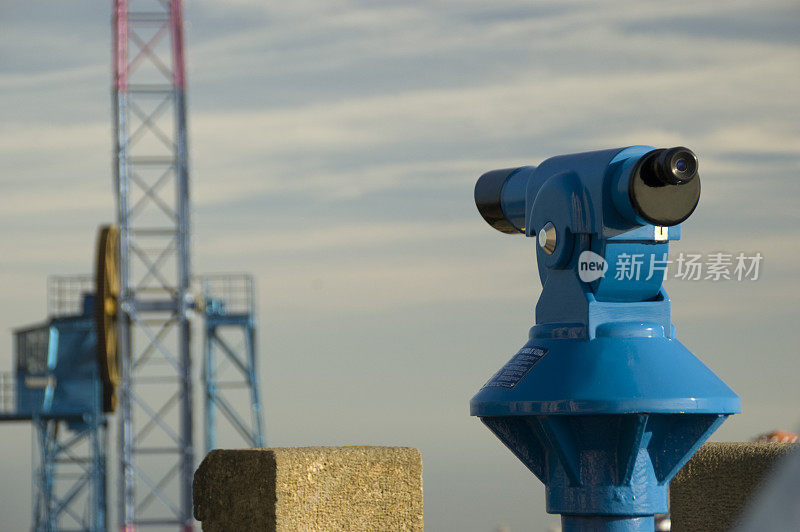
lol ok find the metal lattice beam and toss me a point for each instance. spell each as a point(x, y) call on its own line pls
point(69, 478)
point(151, 178)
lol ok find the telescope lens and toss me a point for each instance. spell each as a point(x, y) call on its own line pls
point(674, 166)
point(489, 199)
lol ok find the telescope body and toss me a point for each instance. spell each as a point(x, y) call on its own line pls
point(603, 403)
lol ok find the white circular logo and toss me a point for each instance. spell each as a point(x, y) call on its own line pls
point(591, 266)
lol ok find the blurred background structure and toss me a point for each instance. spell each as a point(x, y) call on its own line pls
point(125, 335)
point(334, 147)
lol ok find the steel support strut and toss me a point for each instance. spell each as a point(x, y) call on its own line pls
point(230, 374)
point(69, 479)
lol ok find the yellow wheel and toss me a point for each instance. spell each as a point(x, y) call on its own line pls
point(107, 288)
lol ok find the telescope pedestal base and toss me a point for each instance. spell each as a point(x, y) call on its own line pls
point(607, 523)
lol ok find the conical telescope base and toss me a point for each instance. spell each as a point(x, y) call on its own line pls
point(604, 423)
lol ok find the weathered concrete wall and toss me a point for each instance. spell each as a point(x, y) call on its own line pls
point(708, 494)
point(310, 488)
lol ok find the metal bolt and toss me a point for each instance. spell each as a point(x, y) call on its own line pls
point(547, 238)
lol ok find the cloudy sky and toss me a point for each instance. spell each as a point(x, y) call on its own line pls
point(334, 146)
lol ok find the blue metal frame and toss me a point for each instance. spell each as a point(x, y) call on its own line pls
point(69, 481)
point(57, 367)
point(230, 342)
point(603, 403)
point(58, 388)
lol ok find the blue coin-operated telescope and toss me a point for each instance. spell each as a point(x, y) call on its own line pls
point(603, 404)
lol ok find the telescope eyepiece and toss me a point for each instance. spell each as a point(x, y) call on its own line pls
point(664, 188)
point(673, 166)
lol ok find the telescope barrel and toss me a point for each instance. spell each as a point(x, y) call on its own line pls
point(500, 198)
point(662, 188)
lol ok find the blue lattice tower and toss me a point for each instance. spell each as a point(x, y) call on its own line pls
point(152, 192)
point(155, 301)
point(230, 371)
point(603, 403)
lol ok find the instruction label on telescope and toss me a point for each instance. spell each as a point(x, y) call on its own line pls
point(516, 368)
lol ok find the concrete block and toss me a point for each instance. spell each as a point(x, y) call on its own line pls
point(310, 489)
point(708, 494)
